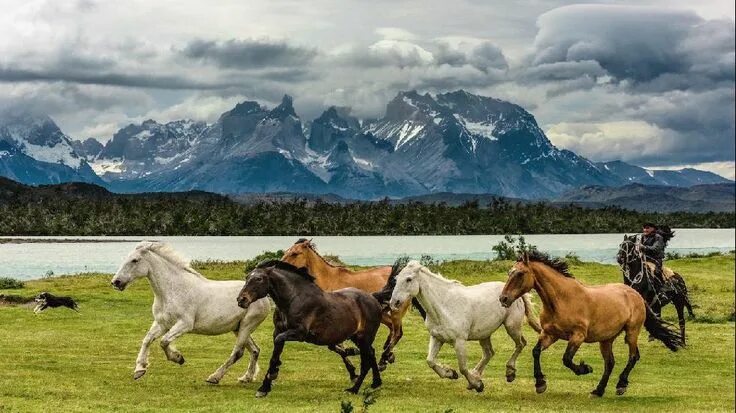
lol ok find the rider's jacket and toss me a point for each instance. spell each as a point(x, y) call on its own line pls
point(653, 246)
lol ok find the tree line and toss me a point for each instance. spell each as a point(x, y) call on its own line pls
point(218, 215)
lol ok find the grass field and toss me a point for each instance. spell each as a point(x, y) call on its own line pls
point(64, 361)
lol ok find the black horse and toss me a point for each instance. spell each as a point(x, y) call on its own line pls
point(309, 314)
point(639, 276)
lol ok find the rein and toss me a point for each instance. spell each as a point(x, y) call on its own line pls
point(632, 255)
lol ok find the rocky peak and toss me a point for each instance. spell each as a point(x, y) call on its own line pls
point(283, 110)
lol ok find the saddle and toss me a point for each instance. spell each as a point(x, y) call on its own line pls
point(667, 273)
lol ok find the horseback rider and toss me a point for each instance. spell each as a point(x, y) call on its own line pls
point(652, 243)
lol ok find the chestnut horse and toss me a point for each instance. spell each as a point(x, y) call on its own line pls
point(310, 314)
point(331, 277)
point(582, 314)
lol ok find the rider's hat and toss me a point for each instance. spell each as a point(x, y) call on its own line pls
point(648, 225)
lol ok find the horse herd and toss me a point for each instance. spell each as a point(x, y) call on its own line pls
point(327, 305)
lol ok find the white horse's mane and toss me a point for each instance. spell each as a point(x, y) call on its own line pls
point(168, 253)
point(436, 275)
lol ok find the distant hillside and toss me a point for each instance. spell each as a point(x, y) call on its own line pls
point(699, 198)
point(86, 209)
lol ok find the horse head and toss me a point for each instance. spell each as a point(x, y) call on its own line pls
point(256, 286)
point(298, 254)
point(626, 250)
point(520, 281)
point(407, 284)
point(135, 265)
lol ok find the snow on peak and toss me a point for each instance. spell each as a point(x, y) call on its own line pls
point(484, 129)
point(409, 130)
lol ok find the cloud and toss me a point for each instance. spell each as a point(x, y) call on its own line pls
point(634, 44)
point(247, 53)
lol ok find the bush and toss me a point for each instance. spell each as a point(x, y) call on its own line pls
point(251, 264)
point(573, 258)
point(510, 248)
point(7, 283)
point(429, 262)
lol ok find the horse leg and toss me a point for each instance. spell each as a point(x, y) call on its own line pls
point(608, 359)
point(487, 347)
point(238, 350)
point(656, 309)
point(252, 371)
point(631, 339)
point(543, 343)
point(573, 344)
point(474, 382)
point(141, 362)
point(279, 339)
point(344, 355)
point(514, 331)
point(680, 307)
point(180, 328)
point(366, 350)
point(443, 371)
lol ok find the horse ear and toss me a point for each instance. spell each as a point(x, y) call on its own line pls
point(626, 236)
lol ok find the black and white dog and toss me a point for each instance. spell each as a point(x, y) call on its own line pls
point(47, 300)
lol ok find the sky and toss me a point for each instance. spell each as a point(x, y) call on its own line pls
point(649, 82)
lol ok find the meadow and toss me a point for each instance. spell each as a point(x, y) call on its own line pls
point(62, 360)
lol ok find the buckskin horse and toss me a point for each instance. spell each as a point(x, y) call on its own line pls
point(330, 277)
point(309, 314)
point(582, 314)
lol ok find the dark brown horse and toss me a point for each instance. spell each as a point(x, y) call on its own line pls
point(581, 314)
point(309, 314)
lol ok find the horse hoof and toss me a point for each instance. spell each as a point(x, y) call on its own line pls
point(352, 351)
point(352, 390)
point(541, 388)
point(585, 369)
point(479, 388)
point(181, 360)
point(260, 394)
point(453, 375)
point(138, 374)
point(595, 394)
point(391, 358)
point(245, 379)
point(376, 384)
point(620, 391)
point(213, 380)
point(382, 366)
point(510, 377)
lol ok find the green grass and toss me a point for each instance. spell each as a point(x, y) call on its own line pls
point(61, 360)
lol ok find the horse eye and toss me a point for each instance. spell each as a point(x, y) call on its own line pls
point(135, 260)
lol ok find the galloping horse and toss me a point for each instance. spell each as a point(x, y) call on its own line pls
point(456, 314)
point(186, 302)
point(578, 313)
point(330, 278)
point(639, 276)
point(310, 314)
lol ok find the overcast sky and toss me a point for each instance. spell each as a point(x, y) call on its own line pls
point(649, 82)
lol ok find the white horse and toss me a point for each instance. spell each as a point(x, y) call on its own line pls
point(186, 302)
point(456, 314)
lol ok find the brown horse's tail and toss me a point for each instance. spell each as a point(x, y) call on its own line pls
point(531, 318)
point(663, 331)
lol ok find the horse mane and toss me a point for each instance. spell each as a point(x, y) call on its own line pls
point(287, 267)
point(168, 253)
point(666, 233)
point(437, 275)
point(312, 246)
point(557, 264)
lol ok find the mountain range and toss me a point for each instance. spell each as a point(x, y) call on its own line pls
point(454, 142)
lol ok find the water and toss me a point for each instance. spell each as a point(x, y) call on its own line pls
point(34, 260)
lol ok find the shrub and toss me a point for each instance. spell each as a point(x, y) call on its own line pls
point(251, 264)
point(573, 258)
point(510, 248)
point(7, 283)
point(429, 262)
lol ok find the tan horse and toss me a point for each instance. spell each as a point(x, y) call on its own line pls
point(330, 277)
point(581, 314)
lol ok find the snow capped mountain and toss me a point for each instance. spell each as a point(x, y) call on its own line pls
point(454, 142)
point(35, 151)
point(683, 178)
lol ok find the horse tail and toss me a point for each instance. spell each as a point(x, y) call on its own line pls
point(419, 308)
point(662, 330)
point(531, 318)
